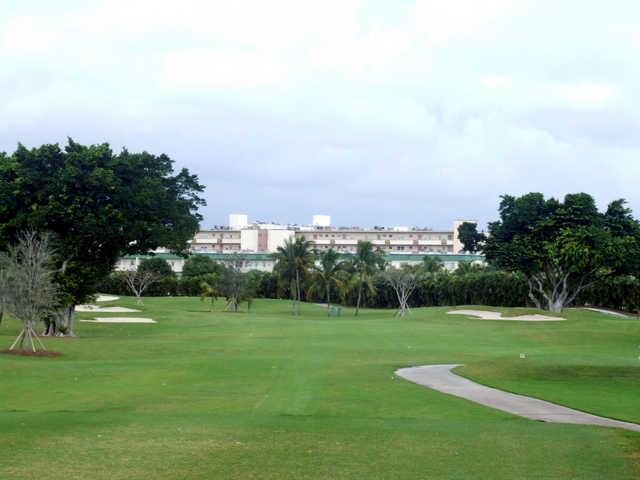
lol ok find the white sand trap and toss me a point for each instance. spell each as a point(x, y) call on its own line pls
point(107, 298)
point(99, 309)
point(120, 320)
point(487, 315)
point(606, 312)
point(441, 378)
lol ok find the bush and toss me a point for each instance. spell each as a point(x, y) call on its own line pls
point(619, 293)
point(113, 284)
point(191, 286)
point(482, 286)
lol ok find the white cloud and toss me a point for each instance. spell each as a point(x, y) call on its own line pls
point(220, 69)
point(444, 105)
point(588, 94)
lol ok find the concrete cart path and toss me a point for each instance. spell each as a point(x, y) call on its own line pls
point(106, 298)
point(441, 378)
point(607, 312)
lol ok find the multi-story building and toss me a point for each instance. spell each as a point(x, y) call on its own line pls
point(241, 236)
point(254, 242)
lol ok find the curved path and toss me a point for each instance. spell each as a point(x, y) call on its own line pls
point(106, 298)
point(441, 378)
point(607, 312)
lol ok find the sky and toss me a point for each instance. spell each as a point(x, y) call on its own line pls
point(410, 113)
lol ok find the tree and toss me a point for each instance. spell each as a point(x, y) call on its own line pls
point(197, 265)
point(326, 275)
point(98, 207)
point(4, 283)
point(293, 260)
point(403, 281)
point(234, 285)
point(158, 265)
point(464, 268)
point(470, 237)
point(365, 264)
point(139, 280)
point(431, 265)
point(30, 293)
point(208, 291)
point(562, 247)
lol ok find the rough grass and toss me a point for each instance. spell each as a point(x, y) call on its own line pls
point(267, 395)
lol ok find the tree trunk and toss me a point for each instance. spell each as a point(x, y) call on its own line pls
point(359, 293)
point(49, 327)
point(68, 315)
point(328, 300)
point(297, 292)
point(556, 305)
point(555, 288)
point(532, 296)
point(60, 323)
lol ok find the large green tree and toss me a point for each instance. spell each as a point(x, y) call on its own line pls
point(98, 206)
point(293, 261)
point(562, 247)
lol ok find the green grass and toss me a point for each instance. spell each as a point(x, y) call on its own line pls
point(270, 396)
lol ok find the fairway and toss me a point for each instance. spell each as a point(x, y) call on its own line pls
point(269, 395)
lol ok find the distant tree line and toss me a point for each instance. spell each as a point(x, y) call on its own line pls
point(338, 281)
point(544, 253)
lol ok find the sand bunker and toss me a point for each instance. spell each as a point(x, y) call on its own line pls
point(120, 320)
point(106, 298)
point(487, 315)
point(98, 309)
point(441, 378)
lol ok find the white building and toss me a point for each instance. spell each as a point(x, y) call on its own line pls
point(242, 236)
point(255, 242)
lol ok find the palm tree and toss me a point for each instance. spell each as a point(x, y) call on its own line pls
point(431, 265)
point(207, 290)
point(365, 264)
point(326, 275)
point(293, 260)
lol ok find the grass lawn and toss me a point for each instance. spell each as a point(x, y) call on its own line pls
point(267, 395)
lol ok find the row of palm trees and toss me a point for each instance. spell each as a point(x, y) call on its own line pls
point(327, 271)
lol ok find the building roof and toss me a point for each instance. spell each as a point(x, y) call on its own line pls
point(259, 256)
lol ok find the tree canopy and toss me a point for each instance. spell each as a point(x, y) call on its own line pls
point(197, 265)
point(157, 265)
point(471, 239)
point(562, 247)
point(97, 205)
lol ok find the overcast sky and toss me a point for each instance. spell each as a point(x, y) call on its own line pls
point(376, 113)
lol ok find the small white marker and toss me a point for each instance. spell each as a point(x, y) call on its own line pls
point(522, 355)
